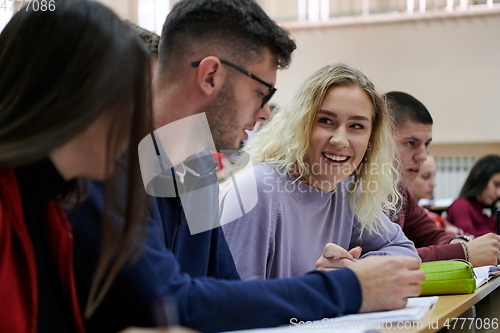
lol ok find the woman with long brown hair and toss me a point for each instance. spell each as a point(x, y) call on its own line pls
point(475, 209)
point(74, 93)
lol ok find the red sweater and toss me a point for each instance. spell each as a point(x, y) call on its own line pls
point(18, 276)
point(432, 244)
point(468, 215)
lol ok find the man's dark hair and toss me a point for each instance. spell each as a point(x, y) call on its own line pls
point(150, 39)
point(404, 107)
point(240, 28)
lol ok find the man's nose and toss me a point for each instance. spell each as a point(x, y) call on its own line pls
point(264, 113)
point(420, 154)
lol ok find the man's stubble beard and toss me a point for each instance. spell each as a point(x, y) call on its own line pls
point(223, 118)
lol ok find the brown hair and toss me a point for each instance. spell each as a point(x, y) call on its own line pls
point(150, 39)
point(60, 70)
point(239, 29)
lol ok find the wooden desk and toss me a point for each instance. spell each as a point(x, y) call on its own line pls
point(486, 300)
point(436, 206)
point(436, 209)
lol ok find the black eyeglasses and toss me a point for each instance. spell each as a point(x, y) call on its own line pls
point(265, 98)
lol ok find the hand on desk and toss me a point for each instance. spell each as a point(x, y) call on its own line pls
point(335, 256)
point(387, 281)
point(483, 250)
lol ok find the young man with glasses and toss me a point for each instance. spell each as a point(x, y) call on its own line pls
point(217, 69)
point(265, 98)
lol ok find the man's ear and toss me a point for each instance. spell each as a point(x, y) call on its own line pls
point(210, 76)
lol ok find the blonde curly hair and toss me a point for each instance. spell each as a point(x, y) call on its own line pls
point(294, 123)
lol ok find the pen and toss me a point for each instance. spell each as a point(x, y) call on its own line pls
point(351, 259)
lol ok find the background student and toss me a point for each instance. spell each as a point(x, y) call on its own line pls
point(152, 42)
point(413, 133)
point(56, 126)
point(200, 72)
point(474, 210)
point(423, 187)
point(323, 175)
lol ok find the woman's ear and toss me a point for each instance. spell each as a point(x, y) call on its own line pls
point(210, 76)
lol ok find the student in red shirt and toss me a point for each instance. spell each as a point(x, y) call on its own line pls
point(423, 187)
point(474, 210)
point(413, 133)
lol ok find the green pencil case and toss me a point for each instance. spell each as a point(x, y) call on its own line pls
point(447, 277)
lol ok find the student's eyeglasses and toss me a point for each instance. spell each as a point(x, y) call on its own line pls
point(265, 98)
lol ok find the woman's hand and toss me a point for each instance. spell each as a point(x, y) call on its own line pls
point(334, 257)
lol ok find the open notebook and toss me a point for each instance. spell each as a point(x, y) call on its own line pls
point(413, 314)
point(485, 273)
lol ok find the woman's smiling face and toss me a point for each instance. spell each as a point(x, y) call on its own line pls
point(339, 137)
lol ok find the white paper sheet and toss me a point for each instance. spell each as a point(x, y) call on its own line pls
point(412, 314)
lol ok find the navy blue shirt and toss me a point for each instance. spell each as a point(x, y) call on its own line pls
point(198, 273)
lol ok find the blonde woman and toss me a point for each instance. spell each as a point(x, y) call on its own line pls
point(324, 175)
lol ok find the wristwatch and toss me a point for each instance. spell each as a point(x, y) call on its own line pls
point(465, 238)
